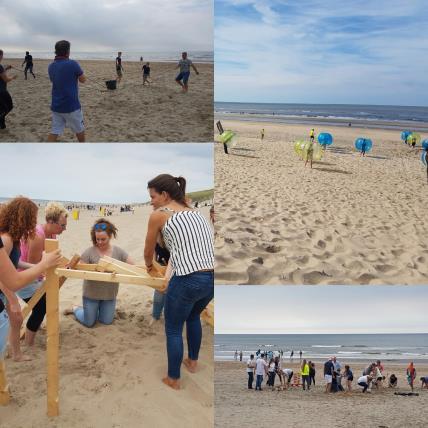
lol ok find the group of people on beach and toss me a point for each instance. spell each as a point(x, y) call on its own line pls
point(178, 237)
point(66, 75)
point(269, 367)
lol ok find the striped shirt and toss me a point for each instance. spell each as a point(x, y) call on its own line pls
point(189, 238)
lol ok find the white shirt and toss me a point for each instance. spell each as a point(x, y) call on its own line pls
point(251, 364)
point(363, 379)
point(260, 366)
point(287, 371)
point(272, 367)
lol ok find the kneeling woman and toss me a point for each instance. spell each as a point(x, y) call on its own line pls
point(99, 298)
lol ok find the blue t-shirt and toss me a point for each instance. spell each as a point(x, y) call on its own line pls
point(64, 74)
point(328, 368)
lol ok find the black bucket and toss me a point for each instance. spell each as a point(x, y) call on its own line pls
point(111, 84)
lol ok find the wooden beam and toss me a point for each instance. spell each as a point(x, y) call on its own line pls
point(52, 345)
point(156, 283)
point(122, 267)
point(4, 387)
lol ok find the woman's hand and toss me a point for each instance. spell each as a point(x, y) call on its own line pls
point(52, 259)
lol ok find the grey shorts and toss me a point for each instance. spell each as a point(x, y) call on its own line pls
point(73, 120)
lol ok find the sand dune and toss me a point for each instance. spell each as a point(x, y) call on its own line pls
point(350, 220)
point(236, 406)
point(110, 376)
point(132, 113)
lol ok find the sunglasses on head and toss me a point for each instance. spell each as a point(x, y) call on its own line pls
point(100, 226)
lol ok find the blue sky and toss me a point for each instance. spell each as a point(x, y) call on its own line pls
point(100, 172)
point(320, 309)
point(313, 51)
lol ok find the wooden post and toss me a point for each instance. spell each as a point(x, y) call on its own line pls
point(4, 387)
point(52, 318)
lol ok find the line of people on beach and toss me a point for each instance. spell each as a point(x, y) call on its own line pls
point(178, 236)
point(337, 377)
point(66, 75)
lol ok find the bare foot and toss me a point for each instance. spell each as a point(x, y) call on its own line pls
point(21, 357)
point(191, 365)
point(70, 311)
point(173, 383)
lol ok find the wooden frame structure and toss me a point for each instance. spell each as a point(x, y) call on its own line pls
point(107, 270)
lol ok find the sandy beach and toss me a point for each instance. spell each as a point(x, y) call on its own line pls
point(236, 406)
point(349, 220)
point(110, 376)
point(132, 113)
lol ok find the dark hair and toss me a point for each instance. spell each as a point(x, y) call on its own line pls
point(1, 52)
point(27, 53)
point(62, 48)
point(110, 229)
point(252, 356)
point(174, 186)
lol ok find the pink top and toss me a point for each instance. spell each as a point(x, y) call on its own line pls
point(25, 248)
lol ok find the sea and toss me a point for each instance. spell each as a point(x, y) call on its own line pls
point(167, 56)
point(370, 116)
point(364, 347)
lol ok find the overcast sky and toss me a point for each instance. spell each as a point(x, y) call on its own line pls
point(320, 309)
point(100, 172)
point(107, 25)
point(322, 51)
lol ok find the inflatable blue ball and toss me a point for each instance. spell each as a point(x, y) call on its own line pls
point(363, 142)
point(425, 144)
point(423, 158)
point(325, 139)
point(405, 134)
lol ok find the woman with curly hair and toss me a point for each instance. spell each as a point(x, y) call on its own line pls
point(99, 298)
point(18, 220)
point(31, 253)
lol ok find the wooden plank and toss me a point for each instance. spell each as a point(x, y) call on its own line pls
point(156, 283)
point(52, 345)
point(125, 268)
point(4, 387)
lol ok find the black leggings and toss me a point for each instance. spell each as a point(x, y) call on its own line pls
point(37, 314)
point(6, 104)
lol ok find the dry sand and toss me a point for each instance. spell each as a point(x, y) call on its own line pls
point(110, 376)
point(349, 220)
point(132, 113)
point(236, 406)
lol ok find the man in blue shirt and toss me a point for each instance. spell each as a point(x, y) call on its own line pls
point(65, 74)
point(328, 374)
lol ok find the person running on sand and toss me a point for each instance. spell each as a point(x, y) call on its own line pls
point(411, 374)
point(146, 73)
point(349, 377)
point(184, 65)
point(31, 252)
point(119, 67)
point(28, 61)
point(99, 298)
point(251, 369)
point(6, 103)
point(65, 74)
point(189, 239)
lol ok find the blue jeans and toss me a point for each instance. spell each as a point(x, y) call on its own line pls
point(259, 381)
point(186, 297)
point(158, 304)
point(4, 331)
point(95, 310)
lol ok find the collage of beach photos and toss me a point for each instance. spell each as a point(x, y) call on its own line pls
point(213, 214)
